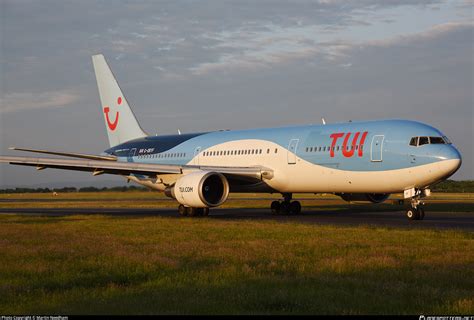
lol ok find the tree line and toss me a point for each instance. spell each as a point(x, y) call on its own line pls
point(465, 186)
point(73, 189)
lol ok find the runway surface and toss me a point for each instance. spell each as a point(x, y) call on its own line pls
point(433, 220)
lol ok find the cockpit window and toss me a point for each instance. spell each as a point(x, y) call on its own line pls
point(436, 140)
point(423, 140)
point(419, 141)
point(447, 140)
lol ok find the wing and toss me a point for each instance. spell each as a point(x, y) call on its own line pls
point(68, 154)
point(127, 168)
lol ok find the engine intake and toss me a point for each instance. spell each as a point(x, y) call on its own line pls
point(371, 197)
point(200, 189)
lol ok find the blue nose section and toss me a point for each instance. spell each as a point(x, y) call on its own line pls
point(453, 154)
point(448, 152)
point(452, 158)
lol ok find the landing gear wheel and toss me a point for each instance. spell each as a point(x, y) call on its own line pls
point(275, 207)
point(421, 213)
point(413, 214)
point(199, 212)
point(192, 212)
point(182, 210)
point(295, 207)
point(285, 207)
point(205, 212)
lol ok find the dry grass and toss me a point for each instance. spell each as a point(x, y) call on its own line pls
point(149, 265)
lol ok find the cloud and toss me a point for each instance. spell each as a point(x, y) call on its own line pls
point(265, 45)
point(276, 62)
point(16, 101)
point(434, 32)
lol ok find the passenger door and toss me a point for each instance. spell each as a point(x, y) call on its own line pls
point(131, 154)
point(376, 148)
point(292, 147)
point(197, 151)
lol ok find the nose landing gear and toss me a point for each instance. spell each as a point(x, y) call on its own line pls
point(286, 206)
point(417, 213)
point(416, 210)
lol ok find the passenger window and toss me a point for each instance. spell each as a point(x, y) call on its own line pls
point(423, 140)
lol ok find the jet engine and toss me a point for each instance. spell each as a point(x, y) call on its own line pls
point(200, 189)
point(371, 197)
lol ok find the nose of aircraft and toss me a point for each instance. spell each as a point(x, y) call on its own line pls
point(449, 159)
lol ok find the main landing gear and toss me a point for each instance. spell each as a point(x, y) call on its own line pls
point(192, 212)
point(416, 210)
point(286, 206)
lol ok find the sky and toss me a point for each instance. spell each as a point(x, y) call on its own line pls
point(210, 65)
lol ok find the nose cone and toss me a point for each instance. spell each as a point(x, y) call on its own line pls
point(449, 160)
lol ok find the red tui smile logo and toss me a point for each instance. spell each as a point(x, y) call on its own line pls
point(110, 124)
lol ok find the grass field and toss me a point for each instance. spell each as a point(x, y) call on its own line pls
point(154, 265)
point(459, 202)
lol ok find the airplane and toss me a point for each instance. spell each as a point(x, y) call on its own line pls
point(358, 161)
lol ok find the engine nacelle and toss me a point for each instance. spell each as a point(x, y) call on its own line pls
point(200, 189)
point(371, 197)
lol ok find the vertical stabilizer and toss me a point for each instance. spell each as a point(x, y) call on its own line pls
point(120, 121)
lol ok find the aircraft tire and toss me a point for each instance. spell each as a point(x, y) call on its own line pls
point(285, 207)
point(413, 214)
point(295, 207)
point(182, 211)
point(275, 207)
point(421, 213)
point(205, 212)
point(192, 212)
